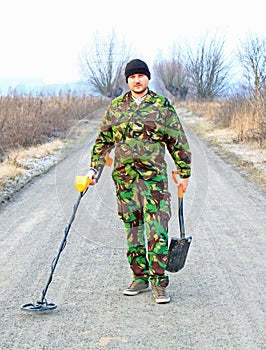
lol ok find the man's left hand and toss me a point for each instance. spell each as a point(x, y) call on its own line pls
point(184, 183)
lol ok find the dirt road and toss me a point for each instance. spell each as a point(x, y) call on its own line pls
point(218, 299)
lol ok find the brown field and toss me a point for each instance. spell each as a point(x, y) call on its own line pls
point(246, 118)
point(27, 121)
point(235, 128)
point(38, 130)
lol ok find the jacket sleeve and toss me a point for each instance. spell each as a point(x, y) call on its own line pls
point(103, 143)
point(176, 143)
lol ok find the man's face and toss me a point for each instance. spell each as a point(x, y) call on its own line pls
point(138, 83)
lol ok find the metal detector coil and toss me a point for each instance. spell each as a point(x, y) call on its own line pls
point(39, 306)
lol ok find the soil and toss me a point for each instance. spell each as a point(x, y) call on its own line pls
point(218, 299)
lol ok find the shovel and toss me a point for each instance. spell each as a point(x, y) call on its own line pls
point(178, 248)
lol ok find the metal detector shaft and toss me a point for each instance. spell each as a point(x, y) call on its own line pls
point(62, 245)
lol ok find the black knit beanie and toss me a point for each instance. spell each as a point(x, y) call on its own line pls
point(137, 66)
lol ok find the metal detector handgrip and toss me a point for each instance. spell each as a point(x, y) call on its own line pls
point(82, 182)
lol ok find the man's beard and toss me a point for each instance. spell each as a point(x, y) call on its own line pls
point(137, 91)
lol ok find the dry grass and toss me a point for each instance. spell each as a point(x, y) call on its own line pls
point(236, 129)
point(245, 117)
point(20, 160)
point(27, 121)
point(36, 133)
point(8, 170)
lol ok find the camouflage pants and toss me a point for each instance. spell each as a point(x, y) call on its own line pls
point(144, 207)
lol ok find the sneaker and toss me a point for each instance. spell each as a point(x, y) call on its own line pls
point(136, 288)
point(159, 294)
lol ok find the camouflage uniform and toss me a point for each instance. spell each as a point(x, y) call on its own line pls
point(140, 135)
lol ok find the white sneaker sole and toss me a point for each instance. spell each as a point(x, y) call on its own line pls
point(161, 301)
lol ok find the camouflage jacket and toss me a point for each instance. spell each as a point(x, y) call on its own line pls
point(141, 134)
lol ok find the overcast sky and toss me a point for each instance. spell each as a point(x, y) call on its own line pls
point(43, 39)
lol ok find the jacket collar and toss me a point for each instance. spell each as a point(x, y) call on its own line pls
point(128, 96)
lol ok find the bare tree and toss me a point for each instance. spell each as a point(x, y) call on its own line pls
point(102, 65)
point(207, 69)
point(173, 75)
point(252, 55)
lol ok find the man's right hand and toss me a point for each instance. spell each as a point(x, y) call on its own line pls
point(92, 176)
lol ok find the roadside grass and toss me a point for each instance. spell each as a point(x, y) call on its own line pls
point(245, 117)
point(23, 164)
point(20, 160)
point(37, 132)
point(27, 121)
point(237, 145)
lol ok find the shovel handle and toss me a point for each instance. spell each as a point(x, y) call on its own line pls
point(108, 160)
point(180, 204)
point(180, 187)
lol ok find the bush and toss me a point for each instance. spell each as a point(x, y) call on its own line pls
point(246, 116)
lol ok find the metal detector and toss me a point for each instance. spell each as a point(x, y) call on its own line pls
point(42, 305)
point(81, 185)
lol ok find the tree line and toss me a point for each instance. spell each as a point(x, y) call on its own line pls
point(201, 73)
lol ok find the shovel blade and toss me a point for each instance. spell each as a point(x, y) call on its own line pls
point(177, 253)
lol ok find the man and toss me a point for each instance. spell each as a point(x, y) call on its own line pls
point(141, 125)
